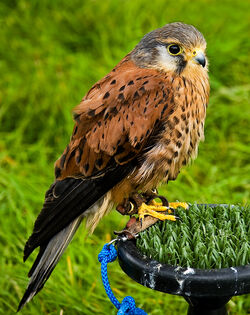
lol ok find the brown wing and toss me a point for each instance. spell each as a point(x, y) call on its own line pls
point(114, 122)
point(115, 119)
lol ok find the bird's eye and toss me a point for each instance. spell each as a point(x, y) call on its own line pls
point(174, 49)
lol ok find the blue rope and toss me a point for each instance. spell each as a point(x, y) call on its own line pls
point(127, 307)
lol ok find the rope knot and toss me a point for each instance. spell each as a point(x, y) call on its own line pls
point(107, 254)
point(127, 306)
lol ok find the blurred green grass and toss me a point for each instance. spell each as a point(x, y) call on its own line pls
point(51, 52)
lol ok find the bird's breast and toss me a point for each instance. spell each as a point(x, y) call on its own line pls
point(178, 143)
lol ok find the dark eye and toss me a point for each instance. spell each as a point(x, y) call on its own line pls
point(174, 49)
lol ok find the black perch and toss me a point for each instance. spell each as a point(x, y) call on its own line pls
point(206, 290)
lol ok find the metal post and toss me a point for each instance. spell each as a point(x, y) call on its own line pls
point(199, 311)
point(207, 306)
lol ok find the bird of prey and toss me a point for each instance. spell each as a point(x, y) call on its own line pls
point(134, 129)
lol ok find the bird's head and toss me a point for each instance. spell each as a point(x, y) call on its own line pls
point(176, 47)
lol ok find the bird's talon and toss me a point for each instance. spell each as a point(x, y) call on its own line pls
point(131, 207)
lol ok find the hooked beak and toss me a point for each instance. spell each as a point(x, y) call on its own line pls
point(200, 59)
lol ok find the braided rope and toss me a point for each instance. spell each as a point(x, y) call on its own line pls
point(127, 307)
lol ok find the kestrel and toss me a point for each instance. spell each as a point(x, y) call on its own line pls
point(134, 129)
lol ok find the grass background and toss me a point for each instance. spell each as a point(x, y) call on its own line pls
point(51, 52)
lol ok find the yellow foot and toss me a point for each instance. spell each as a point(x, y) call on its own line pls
point(172, 205)
point(175, 205)
point(153, 210)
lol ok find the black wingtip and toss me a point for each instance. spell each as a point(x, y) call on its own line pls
point(28, 295)
point(19, 307)
point(22, 303)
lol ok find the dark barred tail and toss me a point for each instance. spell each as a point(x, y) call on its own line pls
point(66, 203)
point(47, 259)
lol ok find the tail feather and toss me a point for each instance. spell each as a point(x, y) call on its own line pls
point(66, 203)
point(47, 259)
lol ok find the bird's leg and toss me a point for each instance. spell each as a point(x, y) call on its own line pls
point(125, 207)
point(130, 205)
point(150, 197)
point(153, 194)
point(144, 204)
point(153, 211)
point(152, 208)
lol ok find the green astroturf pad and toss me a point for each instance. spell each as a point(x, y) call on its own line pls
point(204, 237)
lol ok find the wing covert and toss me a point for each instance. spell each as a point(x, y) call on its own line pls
point(116, 119)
